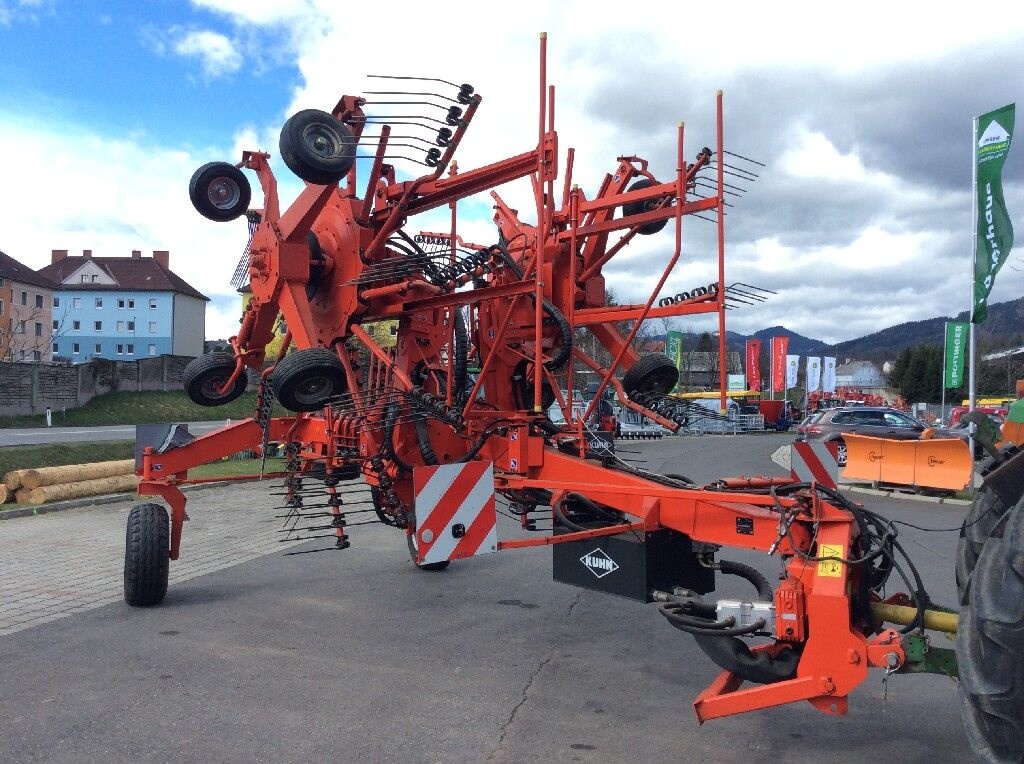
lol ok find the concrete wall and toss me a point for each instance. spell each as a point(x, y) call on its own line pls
point(30, 388)
point(189, 331)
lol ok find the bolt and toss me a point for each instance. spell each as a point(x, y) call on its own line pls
point(892, 660)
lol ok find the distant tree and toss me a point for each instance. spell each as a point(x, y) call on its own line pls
point(899, 368)
point(705, 344)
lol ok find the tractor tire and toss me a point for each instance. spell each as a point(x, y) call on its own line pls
point(317, 146)
point(204, 376)
point(146, 555)
point(990, 644)
point(306, 380)
point(635, 208)
point(653, 373)
point(428, 566)
point(985, 512)
point(219, 191)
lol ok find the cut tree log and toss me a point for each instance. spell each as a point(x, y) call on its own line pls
point(74, 473)
point(6, 494)
point(61, 491)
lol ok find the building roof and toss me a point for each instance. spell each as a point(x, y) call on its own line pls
point(15, 271)
point(141, 274)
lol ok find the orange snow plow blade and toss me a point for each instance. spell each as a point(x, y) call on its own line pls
point(944, 464)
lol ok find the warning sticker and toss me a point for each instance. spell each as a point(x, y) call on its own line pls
point(830, 568)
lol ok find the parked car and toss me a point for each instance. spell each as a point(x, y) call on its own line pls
point(873, 421)
point(801, 429)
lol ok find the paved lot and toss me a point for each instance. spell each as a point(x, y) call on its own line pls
point(358, 656)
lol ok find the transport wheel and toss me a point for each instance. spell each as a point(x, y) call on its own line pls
point(306, 380)
point(990, 644)
point(635, 208)
point(219, 191)
point(430, 566)
point(205, 375)
point(146, 555)
point(522, 388)
point(986, 510)
point(653, 373)
point(317, 146)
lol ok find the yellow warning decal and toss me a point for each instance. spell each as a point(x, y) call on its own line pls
point(830, 568)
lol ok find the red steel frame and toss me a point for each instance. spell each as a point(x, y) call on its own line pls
point(559, 260)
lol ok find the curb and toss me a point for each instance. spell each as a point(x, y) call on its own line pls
point(93, 501)
point(893, 493)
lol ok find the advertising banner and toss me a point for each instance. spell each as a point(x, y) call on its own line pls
point(995, 234)
point(956, 343)
point(754, 364)
point(813, 373)
point(828, 375)
point(792, 367)
point(674, 350)
point(780, 346)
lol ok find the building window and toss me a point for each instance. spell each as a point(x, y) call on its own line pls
point(23, 355)
point(85, 279)
point(152, 349)
point(76, 325)
point(97, 325)
point(131, 349)
point(1, 307)
point(120, 349)
point(56, 302)
point(99, 302)
point(95, 278)
point(131, 326)
point(120, 326)
point(21, 327)
point(56, 325)
point(2, 282)
point(75, 348)
point(39, 301)
point(152, 327)
point(39, 329)
point(76, 303)
point(120, 303)
point(54, 347)
point(98, 350)
point(24, 298)
point(152, 303)
point(131, 304)
point(37, 355)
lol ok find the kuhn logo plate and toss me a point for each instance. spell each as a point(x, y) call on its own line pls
point(599, 563)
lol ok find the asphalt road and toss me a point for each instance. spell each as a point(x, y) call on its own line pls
point(32, 436)
point(357, 656)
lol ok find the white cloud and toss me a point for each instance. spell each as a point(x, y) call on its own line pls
point(217, 54)
point(79, 190)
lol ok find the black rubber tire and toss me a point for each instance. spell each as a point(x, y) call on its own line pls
point(146, 555)
point(205, 374)
point(522, 389)
point(990, 645)
point(635, 208)
point(306, 380)
point(985, 512)
point(428, 566)
point(653, 373)
point(219, 191)
point(317, 146)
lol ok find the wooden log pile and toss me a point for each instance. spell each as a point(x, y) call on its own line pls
point(43, 484)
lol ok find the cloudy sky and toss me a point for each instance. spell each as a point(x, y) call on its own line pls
point(860, 219)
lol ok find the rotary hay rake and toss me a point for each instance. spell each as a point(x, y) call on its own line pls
point(426, 365)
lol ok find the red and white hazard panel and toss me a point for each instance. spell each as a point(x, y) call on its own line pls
point(455, 511)
point(814, 461)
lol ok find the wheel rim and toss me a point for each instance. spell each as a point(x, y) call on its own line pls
point(224, 193)
point(841, 454)
point(323, 141)
point(314, 389)
point(210, 387)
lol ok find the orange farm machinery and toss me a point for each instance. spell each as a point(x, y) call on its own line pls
point(446, 412)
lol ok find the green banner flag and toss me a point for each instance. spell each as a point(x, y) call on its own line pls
point(956, 341)
point(995, 234)
point(674, 349)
